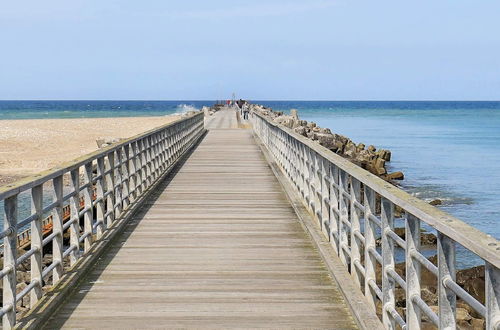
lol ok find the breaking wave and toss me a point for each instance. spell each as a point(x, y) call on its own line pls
point(183, 108)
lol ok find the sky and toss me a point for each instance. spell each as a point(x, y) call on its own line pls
point(260, 50)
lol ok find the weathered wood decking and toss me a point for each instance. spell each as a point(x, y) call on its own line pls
point(217, 246)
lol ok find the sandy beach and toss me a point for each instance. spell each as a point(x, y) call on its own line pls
point(30, 146)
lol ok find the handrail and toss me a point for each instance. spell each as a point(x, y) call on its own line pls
point(343, 198)
point(124, 173)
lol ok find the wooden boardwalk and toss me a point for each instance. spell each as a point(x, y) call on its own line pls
point(217, 246)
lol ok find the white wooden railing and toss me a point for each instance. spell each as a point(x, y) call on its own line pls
point(342, 197)
point(124, 172)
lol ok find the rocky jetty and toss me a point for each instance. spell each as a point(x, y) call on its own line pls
point(367, 157)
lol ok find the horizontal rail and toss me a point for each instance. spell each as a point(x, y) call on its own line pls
point(343, 197)
point(104, 185)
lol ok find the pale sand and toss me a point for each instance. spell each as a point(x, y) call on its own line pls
point(30, 146)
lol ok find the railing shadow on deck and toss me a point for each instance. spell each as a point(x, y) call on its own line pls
point(111, 250)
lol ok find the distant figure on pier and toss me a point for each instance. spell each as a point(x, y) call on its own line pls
point(246, 110)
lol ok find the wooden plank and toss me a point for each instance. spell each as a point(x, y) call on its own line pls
point(218, 247)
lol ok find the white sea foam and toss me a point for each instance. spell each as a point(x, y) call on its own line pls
point(184, 108)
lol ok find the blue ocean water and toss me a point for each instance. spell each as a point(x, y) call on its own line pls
point(447, 150)
point(93, 109)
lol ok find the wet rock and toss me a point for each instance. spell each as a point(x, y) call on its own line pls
point(395, 176)
point(436, 202)
point(23, 276)
point(294, 113)
point(384, 154)
point(477, 323)
point(472, 280)
point(371, 148)
point(311, 124)
point(377, 167)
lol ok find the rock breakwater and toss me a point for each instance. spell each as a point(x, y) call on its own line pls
point(367, 157)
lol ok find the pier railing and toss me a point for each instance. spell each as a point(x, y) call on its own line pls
point(120, 174)
point(354, 207)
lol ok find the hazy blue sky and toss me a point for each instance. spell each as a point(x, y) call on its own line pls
point(272, 49)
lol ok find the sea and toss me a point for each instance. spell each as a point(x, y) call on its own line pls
point(447, 150)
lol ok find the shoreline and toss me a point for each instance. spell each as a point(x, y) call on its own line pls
point(30, 146)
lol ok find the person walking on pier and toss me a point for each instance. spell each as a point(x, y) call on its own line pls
point(246, 110)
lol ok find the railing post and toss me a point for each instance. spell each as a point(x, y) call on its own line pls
point(492, 287)
point(334, 208)
point(447, 299)
point(57, 227)
point(9, 262)
point(370, 260)
point(344, 217)
point(36, 243)
point(118, 182)
point(126, 177)
point(133, 172)
point(148, 161)
point(388, 283)
point(325, 199)
point(110, 189)
point(100, 184)
point(413, 314)
point(87, 217)
point(302, 170)
point(74, 229)
point(317, 188)
point(355, 228)
point(143, 160)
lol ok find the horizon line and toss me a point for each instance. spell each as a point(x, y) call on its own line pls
point(255, 100)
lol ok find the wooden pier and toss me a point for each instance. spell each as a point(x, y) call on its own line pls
point(204, 224)
point(218, 246)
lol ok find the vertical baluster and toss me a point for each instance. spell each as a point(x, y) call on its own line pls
point(492, 295)
point(447, 299)
point(344, 217)
point(126, 175)
point(9, 261)
point(74, 229)
point(162, 151)
point(87, 218)
point(142, 158)
point(334, 208)
point(118, 183)
point(306, 177)
point(325, 196)
point(169, 147)
point(157, 155)
point(110, 189)
point(355, 228)
point(412, 272)
point(388, 284)
point(370, 261)
point(132, 184)
point(36, 243)
point(311, 189)
point(148, 161)
point(317, 188)
point(99, 186)
point(57, 227)
point(303, 170)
